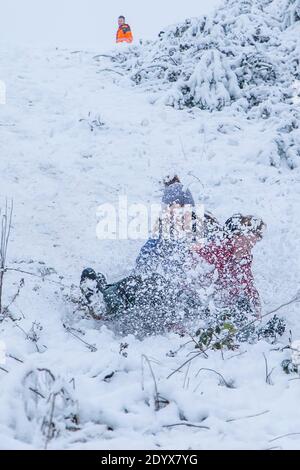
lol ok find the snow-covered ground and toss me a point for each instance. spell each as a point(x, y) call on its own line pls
point(58, 172)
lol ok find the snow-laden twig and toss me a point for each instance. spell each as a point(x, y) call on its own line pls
point(230, 420)
point(103, 55)
point(268, 373)
point(110, 70)
point(236, 355)
point(51, 426)
point(91, 347)
point(15, 358)
point(166, 56)
point(285, 435)
point(223, 381)
point(157, 400)
point(39, 394)
point(32, 334)
point(190, 425)
point(184, 364)
point(197, 346)
point(196, 178)
point(161, 66)
point(39, 276)
point(182, 346)
point(5, 311)
point(6, 224)
point(186, 376)
point(286, 304)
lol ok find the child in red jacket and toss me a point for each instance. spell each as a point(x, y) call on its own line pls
point(232, 259)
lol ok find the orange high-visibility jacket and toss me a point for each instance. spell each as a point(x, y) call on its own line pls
point(124, 34)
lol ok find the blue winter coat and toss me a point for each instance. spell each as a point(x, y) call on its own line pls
point(167, 257)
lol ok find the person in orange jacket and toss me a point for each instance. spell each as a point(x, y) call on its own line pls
point(124, 33)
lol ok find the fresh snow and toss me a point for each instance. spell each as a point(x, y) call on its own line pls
point(58, 172)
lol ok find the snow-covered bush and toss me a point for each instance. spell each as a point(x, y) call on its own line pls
point(212, 85)
point(289, 148)
point(226, 329)
point(295, 346)
point(209, 62)
point(48, 402)
point(291, 12)
point(292, 365)
point(245, 57)
point(93, 122)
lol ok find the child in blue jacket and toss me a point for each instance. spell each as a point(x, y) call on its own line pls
point(160, 271)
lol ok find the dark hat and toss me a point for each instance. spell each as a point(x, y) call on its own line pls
point(239, 224)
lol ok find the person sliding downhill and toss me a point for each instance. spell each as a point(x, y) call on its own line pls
point(164, 288)
point(124, 33)
point(147, 299)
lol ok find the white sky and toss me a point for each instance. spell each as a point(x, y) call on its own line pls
point(89, 23)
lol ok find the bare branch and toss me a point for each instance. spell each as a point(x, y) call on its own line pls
point(285, 435)
point(16, 295)
point(230, 420)
point(15, 358)
point(268, 374)
point(223, 381)
point(6, 223)
point(91, 347)
point(103, 55)
point(110, 70)
point(184, 364)
point(50, 423)
point(156, 395)
point(190, 425)
point(37, 392)
point(42, 278)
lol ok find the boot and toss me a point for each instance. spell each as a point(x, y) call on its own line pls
point(92, 283)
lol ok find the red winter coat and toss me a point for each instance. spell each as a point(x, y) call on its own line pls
point(234, 268)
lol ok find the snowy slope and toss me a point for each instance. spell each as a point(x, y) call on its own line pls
point(58, 172)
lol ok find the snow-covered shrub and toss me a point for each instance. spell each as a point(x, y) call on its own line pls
point(254, 69)
point(291, 13)
point(48, 401)
point(289, 148)
point(212, 85)
point(243, 57)
point(226, 329)
point(292, 365)
point(93, 122)
point(295, 347)
point(240, 52)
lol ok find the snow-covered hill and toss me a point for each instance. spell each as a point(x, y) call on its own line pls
point(58, 172)
point(244, 57)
